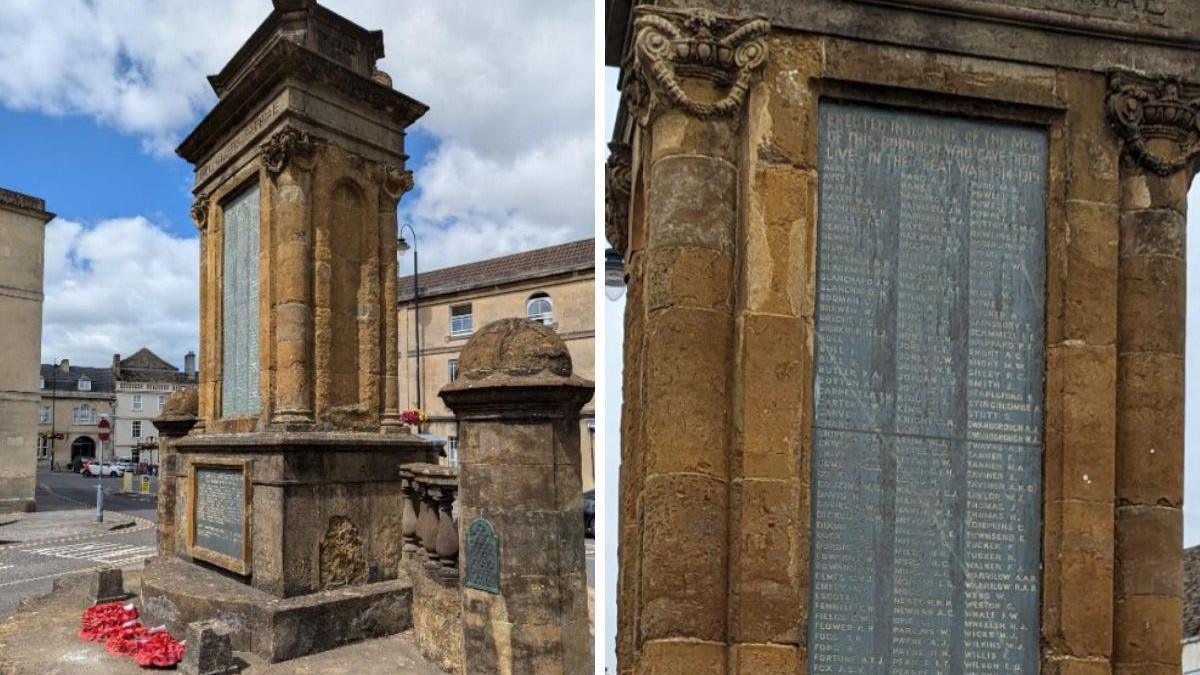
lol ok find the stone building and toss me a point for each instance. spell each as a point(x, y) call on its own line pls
point(142, 383)
point(22, 243)
point(1191, 611)
point(935, 425)
point(72, 400)
point(553, 285)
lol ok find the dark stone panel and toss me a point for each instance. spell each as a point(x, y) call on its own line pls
point(928, 394)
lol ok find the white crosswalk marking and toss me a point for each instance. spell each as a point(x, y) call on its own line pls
point(110, 553)
point(4, 567)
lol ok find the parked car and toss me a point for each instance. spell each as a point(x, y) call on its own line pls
point(589, 514)
point(83, 468)
point(126, 465)
point(94, 469)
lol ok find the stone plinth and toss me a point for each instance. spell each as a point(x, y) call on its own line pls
point(520, 519)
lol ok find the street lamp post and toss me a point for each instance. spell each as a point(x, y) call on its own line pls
point(614, 275)
point(401, 247)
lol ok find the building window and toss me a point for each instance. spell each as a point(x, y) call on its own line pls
point(162, 401)
point(137, 429)
point(137, 402)
point(44, 415)
point(461, 321)
point(85, 384)
point(452, 450)
point(84, 415)
point(539, 308)
point(453, 369)
point(43, 447)
point(41, 382)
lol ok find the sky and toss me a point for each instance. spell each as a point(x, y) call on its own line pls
point(96, 94)
point(613, 339)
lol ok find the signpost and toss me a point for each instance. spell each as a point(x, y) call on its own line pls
point(103, 434)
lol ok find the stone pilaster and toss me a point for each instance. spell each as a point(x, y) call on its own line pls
point(1157, 121)
point(201, 207)
point(394, 183)
point(288, 158)
point(520, 507)
point(686, 83)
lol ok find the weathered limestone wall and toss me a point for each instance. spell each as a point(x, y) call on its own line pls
point(437, 616)
point(22, 233)
point(524, 601)
point(718, 223)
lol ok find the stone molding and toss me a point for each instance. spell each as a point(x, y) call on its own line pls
point(618, 179)
point(670, 45)
point(286, 146)
point(199, 211)
point(1142, 110)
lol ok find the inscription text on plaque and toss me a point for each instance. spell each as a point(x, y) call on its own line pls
point(239, 307)
point(219, 516)
point(928, 396)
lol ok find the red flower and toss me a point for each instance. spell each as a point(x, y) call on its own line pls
point(159, 650)
point(126, 640)
point(102, 620)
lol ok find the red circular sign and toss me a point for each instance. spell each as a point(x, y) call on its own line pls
point(104, 427)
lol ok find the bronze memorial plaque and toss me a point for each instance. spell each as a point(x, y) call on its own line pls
point(927, 457)
point(219, 516)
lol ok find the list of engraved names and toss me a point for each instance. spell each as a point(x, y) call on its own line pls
point(220, 510)
point(928, 394)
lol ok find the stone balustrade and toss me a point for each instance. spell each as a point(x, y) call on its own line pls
point(428, 526)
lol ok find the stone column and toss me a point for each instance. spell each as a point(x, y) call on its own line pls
point(517, 402)
point(199, 212)
point(288, 160)
point(686, 86)
point(177, 419)
point(1157, 121)
point(395, 182)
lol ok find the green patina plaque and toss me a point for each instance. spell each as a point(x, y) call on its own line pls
point(483, 557)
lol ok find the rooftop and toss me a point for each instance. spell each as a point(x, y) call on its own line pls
point(570, 257)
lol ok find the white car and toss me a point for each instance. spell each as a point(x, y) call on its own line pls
point(108, 470)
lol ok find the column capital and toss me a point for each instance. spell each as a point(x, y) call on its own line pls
point(1159, 120)
point(286, 146)
point(395, 180)
point(670, 45)
point(199, 211)
point(618, 178)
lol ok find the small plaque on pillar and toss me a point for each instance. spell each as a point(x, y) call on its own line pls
point(220, 521)
point(483, 557)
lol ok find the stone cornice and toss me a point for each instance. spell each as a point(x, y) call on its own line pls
point(1149, 114)
point(617, 189)
point(671, 45)
point(25, 203)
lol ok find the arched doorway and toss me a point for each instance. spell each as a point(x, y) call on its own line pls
point(82, 448)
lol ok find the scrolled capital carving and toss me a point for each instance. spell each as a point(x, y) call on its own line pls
point(396, 181)
point(618, 177)
point(1144, 110)
point(199, 211)
point(670, 45)
point(287, 145)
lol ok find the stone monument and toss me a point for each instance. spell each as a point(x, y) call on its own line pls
point(904, 333)
point(287, 496)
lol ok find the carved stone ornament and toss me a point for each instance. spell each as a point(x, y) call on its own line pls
point(617, 186)
point(673, 44)
point(285, 146)
point(200, 211)
point(396, 181)
point(1144, 110)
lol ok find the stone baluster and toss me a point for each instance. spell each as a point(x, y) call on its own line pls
point(427, 524)
point(408, 519)
point(447, 535)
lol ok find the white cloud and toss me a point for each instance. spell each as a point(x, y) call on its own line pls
point(116, 286)
point(510, 85)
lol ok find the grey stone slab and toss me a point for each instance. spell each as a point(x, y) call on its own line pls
point(928, 394)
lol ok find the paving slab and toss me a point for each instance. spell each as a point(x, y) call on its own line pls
point(24, 528)
point(40, 638)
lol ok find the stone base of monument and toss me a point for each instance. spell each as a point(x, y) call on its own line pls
point(177, 593)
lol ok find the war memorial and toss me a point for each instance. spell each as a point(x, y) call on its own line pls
point(297, 511)
point(904, 333)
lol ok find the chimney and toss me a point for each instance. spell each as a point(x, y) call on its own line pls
point(116, 368)
point(64, 367)
point(189, 366)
